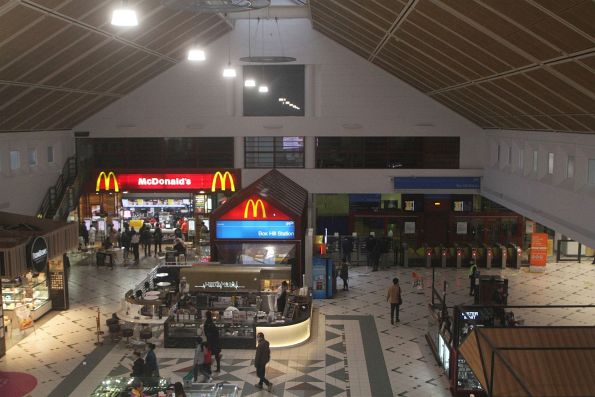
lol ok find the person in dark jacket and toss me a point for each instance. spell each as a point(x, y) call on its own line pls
point(282, 298)
point(157, 238)
point(84, 233)
point(263, 355)
point(125, 240)
point(212, 333)
point(151, 367)
point(145, 238)
point(344, 274)
point(138, 366)
point(371, 249)
point(347, 247)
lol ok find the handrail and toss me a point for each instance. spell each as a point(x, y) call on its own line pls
point(53, 199)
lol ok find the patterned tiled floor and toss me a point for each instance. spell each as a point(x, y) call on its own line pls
point(354, 350)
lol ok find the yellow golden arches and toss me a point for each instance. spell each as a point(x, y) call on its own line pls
point(222, 178)
point(254, 205)
point(107, 178)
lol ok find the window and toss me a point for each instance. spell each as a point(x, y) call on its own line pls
point(285, 95)
point(15, 160)
point(591, 173)
point(535, 161)
point(550, 163)
point(32, 157)
point(50, 154)
point(388, 152)
point(570, 167)
point(274, 152)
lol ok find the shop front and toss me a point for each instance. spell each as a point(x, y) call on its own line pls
point(34, 279)
point(264, 225)
point(182, 199)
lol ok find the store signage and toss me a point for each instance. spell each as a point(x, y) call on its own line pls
point(218, 181)
point(38, 254)
point(106, 178)
point(220, 284)
point(538, 257)
point(265, 230)
point(471, 315)
point(437, 182)
point(254, 205)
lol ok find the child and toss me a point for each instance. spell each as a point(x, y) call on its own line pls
point(344, 274)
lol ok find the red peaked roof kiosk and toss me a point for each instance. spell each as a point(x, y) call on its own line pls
point(263, 224)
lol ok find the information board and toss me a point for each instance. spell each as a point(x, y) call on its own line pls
point(265, 230)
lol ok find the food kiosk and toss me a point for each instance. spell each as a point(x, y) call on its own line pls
point(263, 225)
point(31, 288)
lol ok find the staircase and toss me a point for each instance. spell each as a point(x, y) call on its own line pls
point(63, 197)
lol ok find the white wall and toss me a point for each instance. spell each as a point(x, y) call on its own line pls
point(564, 204)
point(22, 190)
point(343, 91)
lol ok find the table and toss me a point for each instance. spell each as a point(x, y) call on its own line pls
point(151, 293)
point(162, 275)
point(151, 297)
point(163, 284)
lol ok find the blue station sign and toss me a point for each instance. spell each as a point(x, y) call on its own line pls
point(265, 230)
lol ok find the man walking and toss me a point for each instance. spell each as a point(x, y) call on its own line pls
point(393, 296)
point(263, 355)
point(472, 277)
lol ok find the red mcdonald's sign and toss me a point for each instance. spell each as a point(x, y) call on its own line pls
point(254, 205)
point(255, 208)
point(106, 178)
point(218, 181)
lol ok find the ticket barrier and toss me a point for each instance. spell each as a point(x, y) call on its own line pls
point(489, 257)
point(429, 256)
point(443, 256)
point(459, 253)
point(500, 255)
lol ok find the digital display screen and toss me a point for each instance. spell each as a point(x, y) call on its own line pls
point(266, 230)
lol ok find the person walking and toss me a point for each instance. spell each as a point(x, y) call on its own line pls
point(393, 296)
point(212, 333)
point(145, 239)
point(125, 240)
point(134, 242)
point(263, 356)
point(472, 277)
point(92, 236)
point(84, 233)
point(157, 238)
point(200, 365)
point(344, 274)
point(138, 365)
point(370, 248)
point(347, 247)
point(151, 366)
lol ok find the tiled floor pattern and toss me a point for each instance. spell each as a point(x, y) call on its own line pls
point(61, 344)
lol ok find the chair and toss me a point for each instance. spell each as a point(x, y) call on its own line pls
point(127, 333)
point(146, 333)
point(114, 331)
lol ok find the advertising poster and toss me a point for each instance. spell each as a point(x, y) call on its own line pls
point(319, 279)
point(538, 256)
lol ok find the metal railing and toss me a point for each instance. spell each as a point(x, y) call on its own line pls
point(53, 198)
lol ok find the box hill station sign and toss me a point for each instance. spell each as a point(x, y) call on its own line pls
point(217, 181)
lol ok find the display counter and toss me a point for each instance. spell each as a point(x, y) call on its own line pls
point(239, 319)
point(122, 386)
point(34, 296)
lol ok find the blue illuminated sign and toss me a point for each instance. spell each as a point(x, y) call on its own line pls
point(266, 230)
point(437, 182)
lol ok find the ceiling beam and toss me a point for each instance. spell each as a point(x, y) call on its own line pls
point(405, 11)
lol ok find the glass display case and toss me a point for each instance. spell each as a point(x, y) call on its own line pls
point(117, 387)
point(34, 295)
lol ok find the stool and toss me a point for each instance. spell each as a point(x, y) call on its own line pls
point(145, 334)
point(127, 333)
point(114, 331)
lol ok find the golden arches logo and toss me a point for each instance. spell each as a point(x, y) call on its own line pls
point(107, 178)
point(222, 178)
point(254, 205)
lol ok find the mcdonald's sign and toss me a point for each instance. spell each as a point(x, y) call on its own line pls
point(107, 178)
point(254, 205)
point(222, 178)
point(215, 181)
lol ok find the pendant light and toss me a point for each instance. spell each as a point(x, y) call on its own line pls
point(124, 15)
point(197, 54)
point(263, 88)
point(229, 71)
